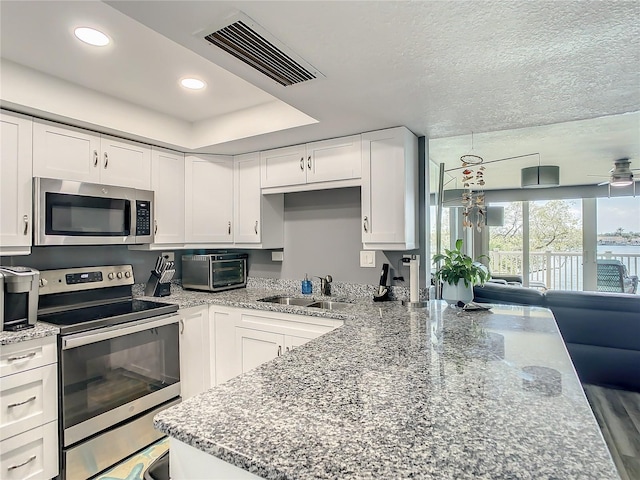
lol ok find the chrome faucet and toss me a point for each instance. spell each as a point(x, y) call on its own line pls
point(325, 284)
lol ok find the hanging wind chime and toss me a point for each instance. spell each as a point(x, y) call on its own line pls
point(473, 197)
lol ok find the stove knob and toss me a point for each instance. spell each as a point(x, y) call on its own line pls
point(43, 282)
point(119, 274)
point(127, 274)
point(111, 276)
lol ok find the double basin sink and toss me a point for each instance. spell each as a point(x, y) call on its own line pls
point(307, 302)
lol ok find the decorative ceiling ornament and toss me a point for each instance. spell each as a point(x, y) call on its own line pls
point(474, 211)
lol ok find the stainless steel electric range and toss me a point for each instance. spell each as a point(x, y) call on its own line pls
point(119, 364)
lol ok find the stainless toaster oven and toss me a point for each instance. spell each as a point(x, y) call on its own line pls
point(214, 272)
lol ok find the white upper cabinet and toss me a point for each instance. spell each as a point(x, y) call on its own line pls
point(258, 219)
point(209, 199)
point(15, 187)
point(124, 163)
point(70, 153)
point(389, 189)
point(319, 165)
point(167, 181)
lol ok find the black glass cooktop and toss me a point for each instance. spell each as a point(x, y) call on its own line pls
point(89, 318)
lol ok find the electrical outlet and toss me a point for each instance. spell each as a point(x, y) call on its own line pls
point(277, 256)
point(170, 256)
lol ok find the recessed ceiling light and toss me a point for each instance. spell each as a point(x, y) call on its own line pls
point(192, 83)
point(91, 36)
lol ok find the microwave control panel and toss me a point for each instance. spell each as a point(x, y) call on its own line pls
point(143, 217)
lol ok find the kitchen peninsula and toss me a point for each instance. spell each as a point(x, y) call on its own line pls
point(432, 393)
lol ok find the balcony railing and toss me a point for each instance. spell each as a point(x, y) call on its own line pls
point(556, 270)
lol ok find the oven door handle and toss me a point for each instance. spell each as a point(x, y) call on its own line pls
point(86, 338)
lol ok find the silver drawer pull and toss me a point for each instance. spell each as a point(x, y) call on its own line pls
point(25, 219)
point(95, 158)
point(13, 405)
point(365, 224)
point(22, 357)
point(13, 467)
point(302, 163)
point(309, 163)
point(255, 227)
point(106, 160)
point(279, 350)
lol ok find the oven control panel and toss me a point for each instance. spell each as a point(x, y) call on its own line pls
point(84, 278)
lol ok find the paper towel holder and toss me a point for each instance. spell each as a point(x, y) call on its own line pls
point(414, 271)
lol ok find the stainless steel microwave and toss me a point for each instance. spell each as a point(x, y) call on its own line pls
point(79, 213)
point(214, 272)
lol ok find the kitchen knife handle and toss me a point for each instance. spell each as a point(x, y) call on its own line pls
point(25, 219)
point(365, 224)
point(106, 160)
point(95, 158)
point(255, 227)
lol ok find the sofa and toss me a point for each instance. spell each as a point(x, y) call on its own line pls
point(601, 330)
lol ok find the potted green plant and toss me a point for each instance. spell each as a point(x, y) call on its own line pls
point(459, 273)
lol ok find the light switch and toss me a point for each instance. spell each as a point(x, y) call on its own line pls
point(367, 258)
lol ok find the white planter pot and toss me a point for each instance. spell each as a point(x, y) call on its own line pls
point(458, 292)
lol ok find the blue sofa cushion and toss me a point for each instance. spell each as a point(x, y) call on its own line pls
point(508, 294)
point(599, 319)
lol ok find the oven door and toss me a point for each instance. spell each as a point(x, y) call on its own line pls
point(227, 274)
point(112, 374)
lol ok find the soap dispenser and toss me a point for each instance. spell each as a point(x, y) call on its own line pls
point(306, 285)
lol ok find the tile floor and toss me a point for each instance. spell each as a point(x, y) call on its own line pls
point(133, 468)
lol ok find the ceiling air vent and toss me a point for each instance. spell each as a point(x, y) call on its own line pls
point(247, 41)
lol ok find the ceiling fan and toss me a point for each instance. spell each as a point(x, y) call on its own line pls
point(621, 175)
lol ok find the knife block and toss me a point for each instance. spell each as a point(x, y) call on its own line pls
point(156, 288)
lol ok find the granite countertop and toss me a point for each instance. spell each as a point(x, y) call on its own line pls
point(432, 393)
point(38, 331)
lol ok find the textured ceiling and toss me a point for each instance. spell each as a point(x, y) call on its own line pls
point(442, 68)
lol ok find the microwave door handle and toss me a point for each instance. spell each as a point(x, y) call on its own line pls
point(80, 339)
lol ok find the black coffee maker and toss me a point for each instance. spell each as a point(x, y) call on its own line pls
point(19, 297)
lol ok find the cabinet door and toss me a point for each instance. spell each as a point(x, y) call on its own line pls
point(255, 347)
point(15, 181)
point(389, 188)
point(209, 199)
point(126, 164)
point(248, 199)
point(194, 351)
point(167, 181)
point(66, 153)
point(283, 166)
point(334, 159)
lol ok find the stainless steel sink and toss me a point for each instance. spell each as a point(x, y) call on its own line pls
point(297, 301)
point(306, 302)
point(330, 305)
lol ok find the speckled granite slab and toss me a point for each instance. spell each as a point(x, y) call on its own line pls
point(433, 394)
point(38, 331)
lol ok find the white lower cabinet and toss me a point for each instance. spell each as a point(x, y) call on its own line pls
point(29, 410)
point(194, 351)
point(245, 339)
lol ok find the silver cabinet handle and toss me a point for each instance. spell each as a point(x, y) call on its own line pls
point(288, 349)
point(255, 227)
point(365, 224)
point(229, 228)
point(106, 160)
point(302, 163)
point(279, 350)
point(309, 162)
point(22, 357)
point(13, 467)
point(25, 219)
point(155, 227)
point(13, 405)
point(181, 326)
point(95, 158)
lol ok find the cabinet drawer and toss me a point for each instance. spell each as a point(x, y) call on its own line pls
point(28, 399)
point(30, 455)
point(19, 357)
